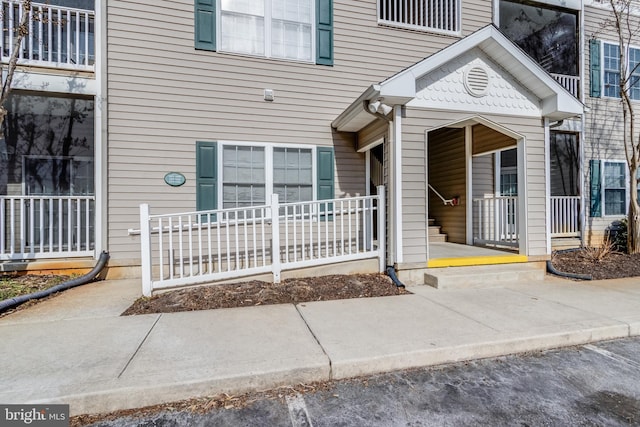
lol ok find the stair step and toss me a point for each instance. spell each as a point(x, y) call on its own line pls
point(434, 230)
point(432, 221)
point(437, 238)
point(482, 276)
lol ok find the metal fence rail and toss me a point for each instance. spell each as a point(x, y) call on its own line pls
point(197, 247)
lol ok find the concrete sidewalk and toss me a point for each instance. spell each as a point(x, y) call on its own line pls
point(76, 348)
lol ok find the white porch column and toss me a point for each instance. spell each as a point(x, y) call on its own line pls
point(547, 182)
point(468, 152)
point(395, 154)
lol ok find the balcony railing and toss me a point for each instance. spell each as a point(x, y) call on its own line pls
point(570, 83)
point(33, 227)
point(565, 216)
point(59, 37)
point(495, 221)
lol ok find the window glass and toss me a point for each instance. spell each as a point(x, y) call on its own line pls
point(638, 181)
point(634, 70)
point(243, 176)
point(611, 62)
point(549, 35)
point(565, 180)
point(47, 146)
point(292, 174)
point(615, 188)
point(244, 25)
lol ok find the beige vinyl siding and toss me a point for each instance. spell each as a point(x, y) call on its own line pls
point(164, 96)
point(483, 176)
point(487, 140)
point(447, 174)
point(376, 131)
point(603, 130)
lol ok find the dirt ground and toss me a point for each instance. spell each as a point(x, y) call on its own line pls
point(253, 293)
point(612, 266)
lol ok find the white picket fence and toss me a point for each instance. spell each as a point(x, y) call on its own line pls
point(205, 246)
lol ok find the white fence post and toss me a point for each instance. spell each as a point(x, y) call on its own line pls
point(145, 248)
point(276, 266)
point(382, 244)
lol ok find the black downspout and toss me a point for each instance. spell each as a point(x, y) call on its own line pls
point(83, 280)
point(391, 272)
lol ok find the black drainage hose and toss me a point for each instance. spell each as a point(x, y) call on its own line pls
point(551, 269)
point(391, 272)
point(83, 280)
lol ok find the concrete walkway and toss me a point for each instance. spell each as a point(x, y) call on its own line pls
point(77, 349)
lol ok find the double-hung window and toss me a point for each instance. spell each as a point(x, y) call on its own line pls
point(611, 70)
point(232, 175)
point(634, 73)
point(615, 188)
point(243, 176)
point(270, 28)
point(250, 174)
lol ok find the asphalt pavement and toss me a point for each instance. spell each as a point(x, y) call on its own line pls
point(77, 349)
point(591, 385)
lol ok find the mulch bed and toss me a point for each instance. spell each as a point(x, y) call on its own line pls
point(613, 265)
point(255, 293)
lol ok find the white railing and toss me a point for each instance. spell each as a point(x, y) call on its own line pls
point(204, 246)
point(438, 15)
point(565, 216)
point(570, 83)
point(33, 227)
point(495, 221)
point(60, 37)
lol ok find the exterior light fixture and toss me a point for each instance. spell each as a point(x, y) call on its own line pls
point(378, 107)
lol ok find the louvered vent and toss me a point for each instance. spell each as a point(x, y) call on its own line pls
point(477, 81)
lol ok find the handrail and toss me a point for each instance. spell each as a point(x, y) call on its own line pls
point(455, 201)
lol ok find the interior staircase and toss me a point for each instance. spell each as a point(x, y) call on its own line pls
point(435, 232)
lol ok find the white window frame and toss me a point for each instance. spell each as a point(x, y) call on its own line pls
point(267, 33)
point(627, 65)
point(458, 21)
point(603, 188)
point(268, 167)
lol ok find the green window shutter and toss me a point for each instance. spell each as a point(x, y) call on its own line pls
point(595, 76)
point(324, 32)
point(325, 178)
point(206, 176)
point(596, 188)
point(205, 24)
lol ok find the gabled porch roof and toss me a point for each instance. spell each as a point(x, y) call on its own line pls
point(553, 100)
